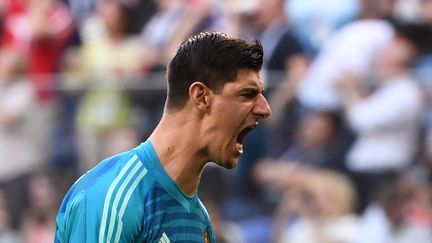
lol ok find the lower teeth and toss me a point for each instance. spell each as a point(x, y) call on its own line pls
point(239, 148)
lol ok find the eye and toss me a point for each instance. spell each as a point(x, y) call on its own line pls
point(249, 95)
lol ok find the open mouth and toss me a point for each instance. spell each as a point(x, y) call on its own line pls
point(241, 136)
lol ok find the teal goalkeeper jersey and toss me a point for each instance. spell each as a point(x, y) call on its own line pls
point(130, 198)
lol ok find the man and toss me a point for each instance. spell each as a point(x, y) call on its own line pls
point(386, 116)
point(148, 194)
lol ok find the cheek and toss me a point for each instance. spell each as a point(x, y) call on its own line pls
point(226, 120)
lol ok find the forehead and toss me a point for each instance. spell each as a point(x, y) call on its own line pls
point(247, 78)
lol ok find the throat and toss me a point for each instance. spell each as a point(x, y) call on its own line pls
point(187, 180)
point(185, 170)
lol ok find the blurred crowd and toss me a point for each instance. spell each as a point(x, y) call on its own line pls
point(346, 156)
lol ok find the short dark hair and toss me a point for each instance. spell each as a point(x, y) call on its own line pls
point(213, 58)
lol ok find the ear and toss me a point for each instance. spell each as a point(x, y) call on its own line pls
point(200, 95)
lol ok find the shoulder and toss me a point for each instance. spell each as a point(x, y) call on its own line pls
point(115, 175)
point(106, 197)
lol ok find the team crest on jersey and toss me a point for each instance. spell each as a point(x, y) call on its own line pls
point(206, 236)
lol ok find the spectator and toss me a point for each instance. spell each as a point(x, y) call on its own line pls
point(280, 45)
point(319, 210)
point(286, 110)
point(38, 223)
point(109, 63)
point(176, 21)
point(41, 30)
point(315, 148)
point(17, 132)
point(387, 121)
point(7, 233)
point(401, 214)
point(315, 145)
point(161, 27)
point(421, 34)
point(316, 142)
point(314, 21)
point(240, 15)
point(351, 49)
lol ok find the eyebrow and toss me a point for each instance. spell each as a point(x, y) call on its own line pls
point(251, 89)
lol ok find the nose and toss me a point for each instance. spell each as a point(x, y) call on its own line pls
point(262, 108)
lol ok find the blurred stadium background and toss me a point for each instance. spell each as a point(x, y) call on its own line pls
point(345, 158)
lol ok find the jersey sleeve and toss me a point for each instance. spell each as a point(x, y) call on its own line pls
point(73, 224)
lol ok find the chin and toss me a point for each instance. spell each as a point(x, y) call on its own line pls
point(229, 164)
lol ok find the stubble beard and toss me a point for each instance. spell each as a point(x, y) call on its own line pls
point(227, 164)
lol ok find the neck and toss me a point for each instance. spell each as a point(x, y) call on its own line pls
point(176, 142)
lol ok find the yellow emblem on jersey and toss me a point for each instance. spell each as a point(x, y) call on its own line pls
point(206, 236)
